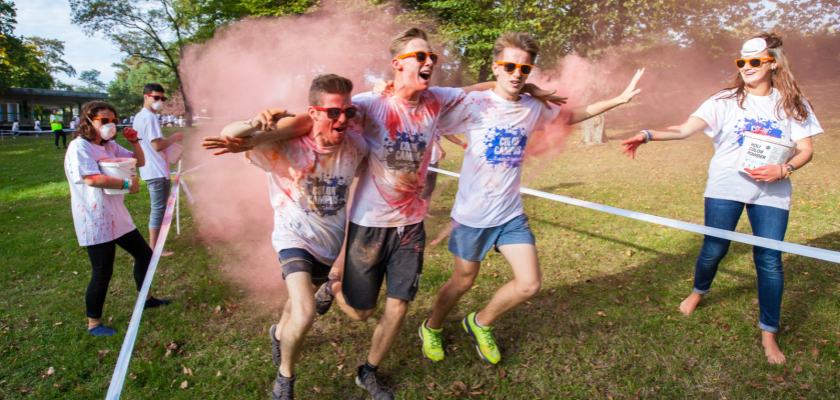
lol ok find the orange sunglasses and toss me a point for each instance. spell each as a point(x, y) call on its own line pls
point(106, 121)
point(525, 69)
point(754, 62)
point(420, 56)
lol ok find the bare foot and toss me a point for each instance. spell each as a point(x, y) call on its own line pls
point(690, 303)
point(166, 253)
point(771, 348)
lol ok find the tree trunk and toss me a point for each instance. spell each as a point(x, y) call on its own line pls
point(593, 130)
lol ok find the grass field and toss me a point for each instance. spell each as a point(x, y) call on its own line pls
point(605, 325)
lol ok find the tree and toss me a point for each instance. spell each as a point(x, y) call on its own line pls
point(7, 17)
point(91, 80)
point(51, 53)
point(125, 92)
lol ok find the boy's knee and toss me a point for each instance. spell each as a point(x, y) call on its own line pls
point(528, 289)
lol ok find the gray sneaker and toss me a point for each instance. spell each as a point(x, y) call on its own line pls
point(377, 389)
point(284, 388)
point(275, 346)
point(323, 299)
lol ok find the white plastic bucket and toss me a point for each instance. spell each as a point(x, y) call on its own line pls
point(173, 153)
point(760, 150)
point(122, 168)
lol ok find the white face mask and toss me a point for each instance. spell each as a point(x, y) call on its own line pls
point(157, 105)
point(107, 131)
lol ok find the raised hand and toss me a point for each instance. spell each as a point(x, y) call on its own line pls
point(268, 118)
point(227, 145)
point(384, 87)
point(130, 134)
point(631, 90)
point(630, 146)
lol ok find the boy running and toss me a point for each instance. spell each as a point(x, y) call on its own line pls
point(488, 210)
point(309, 178)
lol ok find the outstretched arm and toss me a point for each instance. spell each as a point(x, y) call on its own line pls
point(582, 113)
point(676, 132)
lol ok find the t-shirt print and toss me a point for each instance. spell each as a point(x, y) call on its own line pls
point(323, 194)
point(506, 146)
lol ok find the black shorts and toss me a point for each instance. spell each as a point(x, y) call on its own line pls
point(377, 253)
point(300, 260)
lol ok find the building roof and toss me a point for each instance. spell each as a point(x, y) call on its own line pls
point(46, 97)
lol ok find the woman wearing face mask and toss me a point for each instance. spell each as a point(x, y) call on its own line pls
point(101, 220)
point(763, 98)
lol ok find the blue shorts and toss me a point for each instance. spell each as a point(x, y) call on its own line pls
point(471, 244)
point(159, 189)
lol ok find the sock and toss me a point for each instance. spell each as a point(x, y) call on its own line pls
point(329, 287)
point(368, 368)
point(475, 321)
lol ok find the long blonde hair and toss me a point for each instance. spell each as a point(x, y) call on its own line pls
point(793, 102)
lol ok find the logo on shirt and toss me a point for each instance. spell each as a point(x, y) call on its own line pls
point(405, 151)
point(759, 126)
point(324, 194)
point(505, 146)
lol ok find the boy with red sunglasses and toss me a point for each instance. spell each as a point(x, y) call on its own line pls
point(156, 170)
point(488, 211)
point(309, 179)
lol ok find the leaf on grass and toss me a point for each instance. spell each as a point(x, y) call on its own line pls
point(601, 313)
point(51, 371)
point(502, 373)
point(58, 323)
point(459, 386)
point(779, 379)
point(797, 369)
point(722, 304)
point(132, 375)
point(75, 273)
point(617, 301)
point(184, 385)
point(188, 371)
point(218, 308)
point(219, 373)
point(815, 352)
point(804, 386)
point(103, 353)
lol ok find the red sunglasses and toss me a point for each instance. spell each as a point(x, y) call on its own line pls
point(157, 98)
point(106, 121)
point(335, 112)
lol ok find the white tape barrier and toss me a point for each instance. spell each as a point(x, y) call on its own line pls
point(798, 249)
point(117, 380)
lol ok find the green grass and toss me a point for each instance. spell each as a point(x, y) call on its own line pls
point(605, 324)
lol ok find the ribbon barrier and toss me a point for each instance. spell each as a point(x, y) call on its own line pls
point(792, 248)
point(117, 380)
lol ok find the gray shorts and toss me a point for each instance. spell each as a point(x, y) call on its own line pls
point(159, 192)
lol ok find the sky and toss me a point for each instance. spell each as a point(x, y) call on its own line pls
point(50, 19)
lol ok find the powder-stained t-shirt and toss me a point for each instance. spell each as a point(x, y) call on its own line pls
point(309, 186)
point(727, 123)
point(98, 217)
point(148, 129)
point(497, 132)
point(398, 133)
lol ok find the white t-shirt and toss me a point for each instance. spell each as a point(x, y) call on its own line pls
point(98, 217)
point(37, 125)
point(131, 120)
point(497, 131)
point(148, 129)
point(727, 124)
point(398, 133)
point(72, 124)
point(15, 126)
point(309, 188)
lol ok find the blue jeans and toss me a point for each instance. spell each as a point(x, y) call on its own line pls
point(767, 222)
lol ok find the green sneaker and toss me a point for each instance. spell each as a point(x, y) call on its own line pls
point(485, 343)
point(432, 348)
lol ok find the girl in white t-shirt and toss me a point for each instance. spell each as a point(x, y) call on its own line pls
point(764, 98)
point(37, 128)
point(101, 220)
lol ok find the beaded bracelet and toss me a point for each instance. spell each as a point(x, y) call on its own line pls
point(648, 135)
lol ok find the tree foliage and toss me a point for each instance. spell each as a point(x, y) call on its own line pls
point(126, 91)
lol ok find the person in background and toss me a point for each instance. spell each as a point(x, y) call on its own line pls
point(125, 121)
point(73, 125)
point(156, 170)
point(101, 220)
point(58, 128)
point(763, 98)
point(131, 120)
point(38, 128)
point(15, 126)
